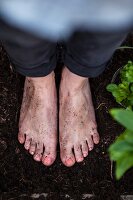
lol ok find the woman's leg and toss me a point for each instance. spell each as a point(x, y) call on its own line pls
point(36, 59)
point(86, 56)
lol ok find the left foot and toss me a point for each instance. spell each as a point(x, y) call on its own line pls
point(38, 118)
point(78, 128)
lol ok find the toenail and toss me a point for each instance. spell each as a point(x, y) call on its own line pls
point(85, 154)
point(80, 160)
point(47, 160)
point(37, 157)
point(69, 161)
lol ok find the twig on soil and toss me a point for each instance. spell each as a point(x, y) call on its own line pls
point(101, 104)
point(124, 47)
point(23, 195)
point(87, 196)
point(11, 68)
point(111, 171)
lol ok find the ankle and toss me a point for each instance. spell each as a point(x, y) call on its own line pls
point(41, 82)
point(72, 82)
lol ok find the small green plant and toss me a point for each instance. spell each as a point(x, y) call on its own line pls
point(121, 150)
point(123, 92)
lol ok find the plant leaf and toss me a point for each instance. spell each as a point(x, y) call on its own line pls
point(123, 165)
point(111, 87)
point(127, 72)
point(119, 149)
point(128, 136)
point(124, 117)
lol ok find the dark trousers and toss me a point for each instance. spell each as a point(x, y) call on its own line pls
point(86, 53)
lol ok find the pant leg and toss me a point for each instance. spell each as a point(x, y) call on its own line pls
point(87, 54)
point(31, 56)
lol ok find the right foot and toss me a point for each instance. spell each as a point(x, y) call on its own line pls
point(38, 118)
point(78, 128)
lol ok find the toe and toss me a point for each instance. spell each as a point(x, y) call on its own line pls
point(78, 153)
point(70, 161)
point(67, 156)
point(47, 161)
point(90, 143)
point(96, 137)
point(32, 148)
point(84, 149)
point(27, 143)
point(21, 138)
point(38, 152)
point(49, 156)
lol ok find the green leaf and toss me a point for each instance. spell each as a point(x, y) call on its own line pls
point(120, 92)
point(119, 96)
point(131, 87)
point(119, 149)
point(123, 165)
point(124, 117)
point(123, 92)
point(128, 136)
point(111, 87)
point(127, 72)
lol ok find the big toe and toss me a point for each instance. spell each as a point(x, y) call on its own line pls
point(49, 156)
point(47, 160)
point(67, 157)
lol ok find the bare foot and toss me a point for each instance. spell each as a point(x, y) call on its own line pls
point(78, 128)
point(38, 118)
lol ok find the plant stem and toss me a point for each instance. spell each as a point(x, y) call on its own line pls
point(124, 47)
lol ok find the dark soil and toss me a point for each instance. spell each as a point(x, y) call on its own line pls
point(22, 178)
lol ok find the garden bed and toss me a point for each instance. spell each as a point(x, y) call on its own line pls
point(23, 178)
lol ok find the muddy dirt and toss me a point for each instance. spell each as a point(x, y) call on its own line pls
point(22, 178)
